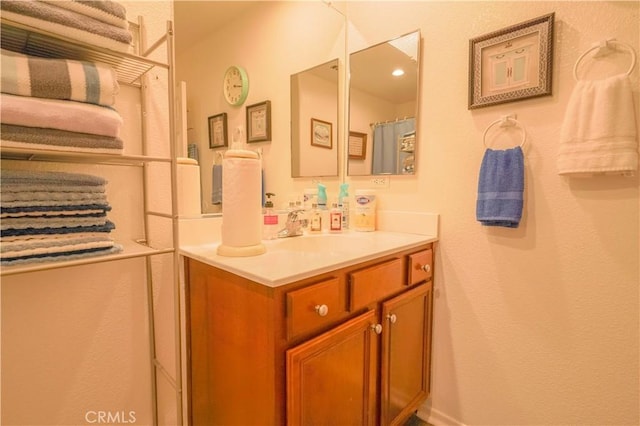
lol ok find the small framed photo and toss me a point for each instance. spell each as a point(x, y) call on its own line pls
point(218, 131)
point(511, 64)
point(357, 145)
point(259, 122)
point(321, 133)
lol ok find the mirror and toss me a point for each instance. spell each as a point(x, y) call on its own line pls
point(383, 107)
point(271, 40)
point(314, 121)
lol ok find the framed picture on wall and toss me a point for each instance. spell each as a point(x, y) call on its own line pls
point(321, 133)
point(218, 136)
point(511, 64)
point(357, 146)
point(259, 122)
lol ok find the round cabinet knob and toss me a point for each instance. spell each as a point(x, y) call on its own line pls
point(392, 318)
point(377, 328)
point(322, 310)
point(426, 268)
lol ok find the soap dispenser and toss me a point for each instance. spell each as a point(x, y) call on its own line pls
point(322, 197)
point(269, 219)
point(343, 204)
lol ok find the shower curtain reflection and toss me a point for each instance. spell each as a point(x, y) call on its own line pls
point(389, 157)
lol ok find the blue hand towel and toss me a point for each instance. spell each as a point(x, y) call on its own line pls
point(216, 184)
point(501, 188)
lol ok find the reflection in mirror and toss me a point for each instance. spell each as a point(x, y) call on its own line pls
point(383, 106)
point(314, 99)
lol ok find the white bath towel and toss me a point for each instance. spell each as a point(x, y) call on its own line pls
point(598, 135)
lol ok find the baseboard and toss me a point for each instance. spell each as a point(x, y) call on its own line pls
point(437, 418)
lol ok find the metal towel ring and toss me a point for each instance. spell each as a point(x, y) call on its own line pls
point(505, 122)
point(604, 45)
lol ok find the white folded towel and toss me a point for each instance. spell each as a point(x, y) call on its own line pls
point(598, 135)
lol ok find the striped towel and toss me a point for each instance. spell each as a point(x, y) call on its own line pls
point(67, 23)
point(64, 79)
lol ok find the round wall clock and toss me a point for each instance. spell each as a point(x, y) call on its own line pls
point(235, 85)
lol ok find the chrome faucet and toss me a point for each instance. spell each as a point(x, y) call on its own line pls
point(294, 225)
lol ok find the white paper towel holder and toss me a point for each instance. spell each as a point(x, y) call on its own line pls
point(241, 251)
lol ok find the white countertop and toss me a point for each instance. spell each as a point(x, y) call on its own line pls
point(291, 259)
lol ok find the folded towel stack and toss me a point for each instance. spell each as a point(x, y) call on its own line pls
point(58, 104)
point(102, 23)
point(501, 188)
point(53, 216)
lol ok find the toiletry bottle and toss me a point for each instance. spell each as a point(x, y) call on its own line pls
point(309, 196)
point(343, 204)
point(315, 222)
point(269, 219)
point(335, 218)
point(322, 197)
point(365, 210)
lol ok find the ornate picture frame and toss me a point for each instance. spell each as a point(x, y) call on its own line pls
point(321, 133)
point(218, 133)
point(259, 122)
point(512, 64)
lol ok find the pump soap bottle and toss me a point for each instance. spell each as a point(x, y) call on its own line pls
point(343, 204)
point(269, 219)
point(322, 197)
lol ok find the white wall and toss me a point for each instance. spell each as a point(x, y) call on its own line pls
point(75, 340)
point(537, 325)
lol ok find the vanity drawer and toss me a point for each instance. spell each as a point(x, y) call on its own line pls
point(313, 306)
point(420, 266)
point(375, 283)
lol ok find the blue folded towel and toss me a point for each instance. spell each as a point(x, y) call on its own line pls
point(216, 184)
point(501, 188)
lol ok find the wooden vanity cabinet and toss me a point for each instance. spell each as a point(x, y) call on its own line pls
point(349, 347)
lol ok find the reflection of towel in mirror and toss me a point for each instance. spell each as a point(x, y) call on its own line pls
point(598, 133)
point(500, 188)
point(216, 184)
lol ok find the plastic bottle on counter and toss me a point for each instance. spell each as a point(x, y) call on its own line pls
point(309, 196)
point(343, 204)
point(364, 218)
point(335, 218)
point(315, 220)
point(269, 219)
point(322, 197)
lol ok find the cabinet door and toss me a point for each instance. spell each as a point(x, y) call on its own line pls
point(406, 347)
point(331, 379)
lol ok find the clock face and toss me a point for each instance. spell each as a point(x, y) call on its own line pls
point(235, 85)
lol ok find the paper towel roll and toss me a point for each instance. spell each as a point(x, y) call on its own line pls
point(241, 228)
point(189, 201)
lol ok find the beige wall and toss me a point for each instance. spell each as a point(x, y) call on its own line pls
point(537, 325)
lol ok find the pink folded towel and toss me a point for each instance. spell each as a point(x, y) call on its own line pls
point(62, 115)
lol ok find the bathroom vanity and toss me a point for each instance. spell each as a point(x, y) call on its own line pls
point(333, 329)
